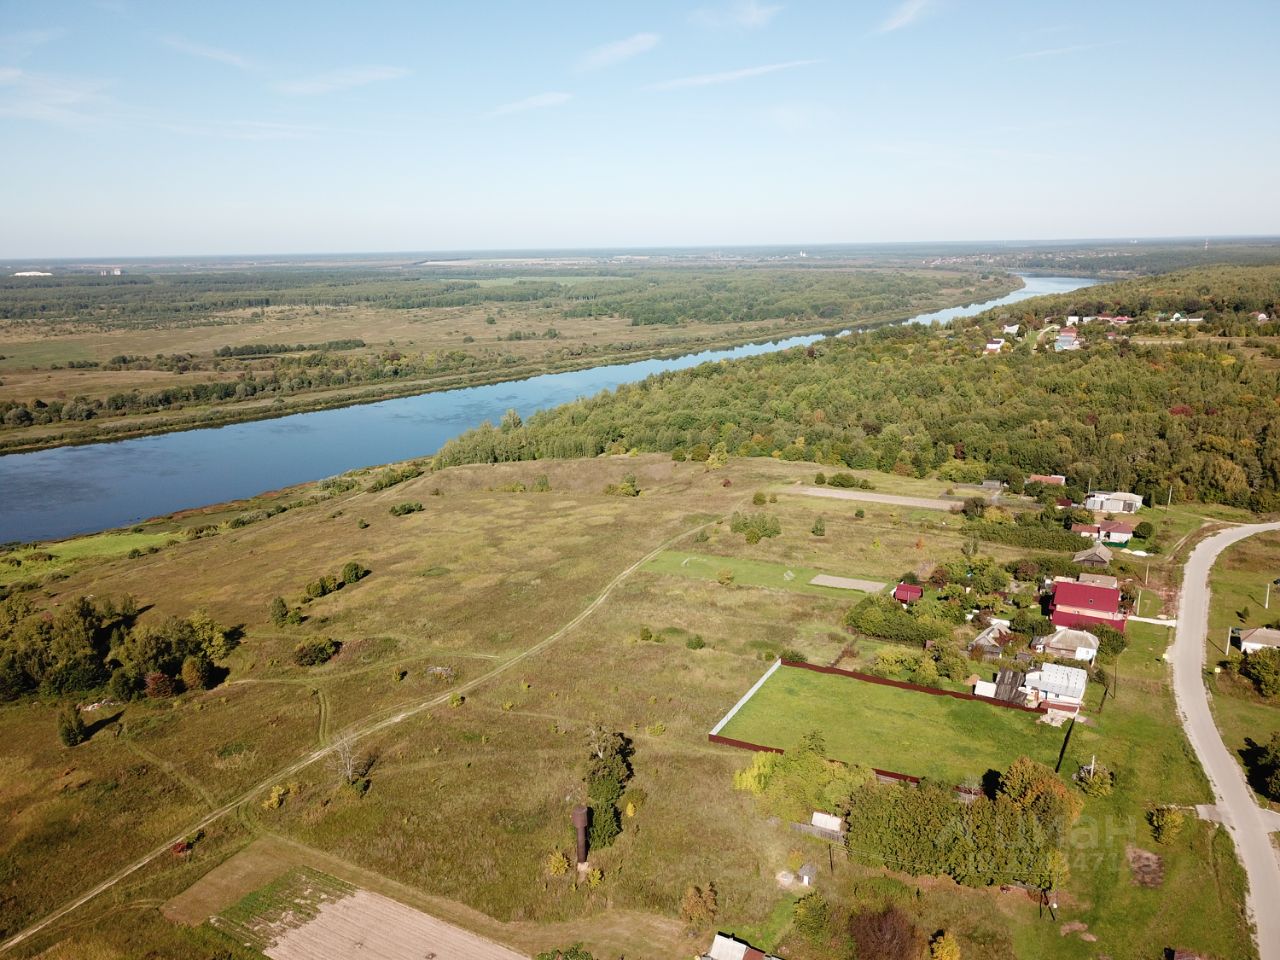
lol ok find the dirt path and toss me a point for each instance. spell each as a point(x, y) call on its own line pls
point(358, 731)
point(867, 496)
point(188, 781)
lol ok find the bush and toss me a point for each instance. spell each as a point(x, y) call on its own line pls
point(820, 478)
point(159, 686)
point(809, 915)
point(1144, 530)
point(311, 653)
point(403, 509)
point(71, 728)
point(197, 673)
point(556, 864)
point(321, 587)
point(755, 526)
point(819, 528)
point(724, 577)
point(886, 935)
point(279, 611)
point(1166, 823)
point(1263, 669)
point(353, 572)
point(695, 643)
point(849, 481)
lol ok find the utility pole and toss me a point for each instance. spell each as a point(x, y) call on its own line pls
point(1169, 500)
point(1266, 604)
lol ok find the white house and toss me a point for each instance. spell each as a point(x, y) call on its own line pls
point(828, 822)
point(1118, 502)
point(730, 948)
point(1072, 321)
point(994, 345)
point(1259, 638)
point(1056, 686)
point(1067, 643)
point(1011, 329)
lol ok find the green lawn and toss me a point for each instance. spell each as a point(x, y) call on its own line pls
point(904, 731)
point(101, 545)
point(747, 573)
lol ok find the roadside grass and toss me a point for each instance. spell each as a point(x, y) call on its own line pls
point(746, 573)
point(903, 731)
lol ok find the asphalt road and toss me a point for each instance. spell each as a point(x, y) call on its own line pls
point(1235, 802)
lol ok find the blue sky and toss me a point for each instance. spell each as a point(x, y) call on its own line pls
point(131, 128)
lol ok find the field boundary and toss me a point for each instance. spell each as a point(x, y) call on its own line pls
point(745, 697)
point(904, 685)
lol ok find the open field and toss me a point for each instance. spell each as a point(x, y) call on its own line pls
point(902, 731)
point(749, 573)
point(483, 576)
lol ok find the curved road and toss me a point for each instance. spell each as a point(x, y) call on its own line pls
point(1236, 806)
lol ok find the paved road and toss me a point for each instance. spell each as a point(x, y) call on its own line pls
point(1234, 801)
point(843, 493)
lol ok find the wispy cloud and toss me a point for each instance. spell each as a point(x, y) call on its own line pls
point(729, 76)
point(345, 78)
point(618, 51)
point(50, 98)
point(21, 43)
point(905, 14)
point(1059, 51)
point(747, 14)
point(536, 102)
point(216, 54)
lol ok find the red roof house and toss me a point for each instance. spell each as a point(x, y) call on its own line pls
point(1049, 479)
point(1077, 604)
point(907, 592)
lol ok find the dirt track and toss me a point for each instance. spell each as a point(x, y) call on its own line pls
point(841, 493)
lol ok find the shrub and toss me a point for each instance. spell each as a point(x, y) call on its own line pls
point(197, 673)
point(820, 478)
point(1166, 823)
point(541, 484)
point(1263, 669)
point(759, 499)
point(279, 611)
point(678, 455)
point(885, 934)
point(1144, 530)
point(159, 685)
point(629, 487)
point(755, 526)
point(556, 864)
point(71, 728)
point(859, 513)
point(321, 587)
point(849, 481)
point(403, 509)
point(810, 917)
point(311, 653)
point(695, 643)
point(944, 947)
point(698, 906)
point(724, 577)
point(819, 528)
point(392, 476)
point(1095, 781)
point(353, 572)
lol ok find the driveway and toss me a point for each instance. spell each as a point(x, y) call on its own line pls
point(867, 496)
point(1234, 801)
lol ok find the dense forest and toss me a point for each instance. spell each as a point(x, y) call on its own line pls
point(1195, 421)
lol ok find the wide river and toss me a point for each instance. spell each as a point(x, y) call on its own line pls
point(51, 494)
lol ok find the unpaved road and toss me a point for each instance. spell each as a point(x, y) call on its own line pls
point(868, 496)
point(1235, 803)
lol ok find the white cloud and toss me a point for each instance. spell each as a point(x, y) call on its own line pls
point(612, 53)
point(228, 57)
point(536, 102)
point(905, 14)
point(729, 76)
point(1058, 51)
point(342, 79)
point(748, 14)
point(49, 98)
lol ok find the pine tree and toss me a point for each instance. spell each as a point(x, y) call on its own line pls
point(71, 728)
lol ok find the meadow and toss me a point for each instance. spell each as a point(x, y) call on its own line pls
point(458, 631)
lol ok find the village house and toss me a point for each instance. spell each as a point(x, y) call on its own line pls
point(1050, 686)
point(1067, 340)
point(907, 593)
point(1079, 602)
point(1010, 330)
point(991, 642)
point(1048, 479)
point(1112, 532)
point(1118, 502)
point(1094, 556)
point(724, 947)
point(1259, 638)
point(1066, 643)
point(994, 345)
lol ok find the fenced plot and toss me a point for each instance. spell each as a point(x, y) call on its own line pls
point(890, 728)
point(307, 915)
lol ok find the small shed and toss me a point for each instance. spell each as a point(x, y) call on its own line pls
point(808, 875)
point(908, 593)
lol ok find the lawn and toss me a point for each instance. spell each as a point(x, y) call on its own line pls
point(102, 545)
point(903, 731)
point(747, 572)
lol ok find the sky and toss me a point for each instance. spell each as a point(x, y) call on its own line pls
point(131, 128)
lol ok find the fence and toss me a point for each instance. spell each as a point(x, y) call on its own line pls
point(904, 685)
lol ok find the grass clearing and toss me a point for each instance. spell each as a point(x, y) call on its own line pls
point(903, 731)
point(746, 573)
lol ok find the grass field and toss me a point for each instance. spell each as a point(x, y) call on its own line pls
point(477, 579)
point(903, 731)
point(746, 572)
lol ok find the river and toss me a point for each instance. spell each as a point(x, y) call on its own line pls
point(52, 494)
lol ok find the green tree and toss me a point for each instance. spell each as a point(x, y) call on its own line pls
point(279, 611)
point(575, 952)
point(819, 528)
point(71, 728)
point(1263, 668)
point(197, 672)
point(353, 572)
